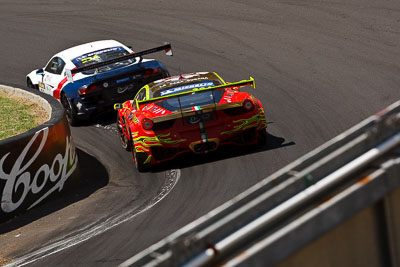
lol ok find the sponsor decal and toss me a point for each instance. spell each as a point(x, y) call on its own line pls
point(196, 108)
point(94, 56)
point(158, 111)
point(197, 118)
point(194, 119)
point(137, 76)
point(123, 80)
point(186, 87)
point(79, 105)
point(41, 85)
point(122, 89)
point(135, 119)
point(185, 76)
point(175, 81)
point(21, 180)
point(228, 97)
point(149, 107)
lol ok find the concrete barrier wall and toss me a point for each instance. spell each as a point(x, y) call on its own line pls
point(36, 164)
point(369, 238)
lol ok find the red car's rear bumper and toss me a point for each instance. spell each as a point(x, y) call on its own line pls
point(201, 137)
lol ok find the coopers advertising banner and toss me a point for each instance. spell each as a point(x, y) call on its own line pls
point(34, 166)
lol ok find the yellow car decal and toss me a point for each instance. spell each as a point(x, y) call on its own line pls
point(142, 143)
point(244, 124)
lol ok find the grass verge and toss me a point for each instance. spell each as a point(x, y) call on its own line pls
point(18, 115)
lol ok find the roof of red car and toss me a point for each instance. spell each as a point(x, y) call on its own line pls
point(183, 79)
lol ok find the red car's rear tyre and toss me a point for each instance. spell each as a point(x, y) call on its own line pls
point(140, 158)
point(126, 142)
point(262, 137)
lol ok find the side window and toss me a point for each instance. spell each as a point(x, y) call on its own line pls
point(55, 66)
point(51, 65)
point(141, 95)
point(60, 66)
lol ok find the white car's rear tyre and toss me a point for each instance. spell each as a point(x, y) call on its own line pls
point(72, 119)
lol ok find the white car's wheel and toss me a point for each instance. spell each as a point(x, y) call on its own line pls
point(72, 119)
point(30, 84)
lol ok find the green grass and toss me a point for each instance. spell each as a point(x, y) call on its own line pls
point(4, 261)
point(15, 116)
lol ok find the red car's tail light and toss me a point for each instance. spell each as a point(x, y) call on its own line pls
point(88, 89)
point(248, 105)
point(149, 72)
point(147, 124)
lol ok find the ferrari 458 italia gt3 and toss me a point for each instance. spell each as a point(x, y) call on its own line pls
point(196, 112)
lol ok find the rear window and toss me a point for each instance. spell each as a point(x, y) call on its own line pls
point(185, 87)
point(101, 56)
point(197, 99)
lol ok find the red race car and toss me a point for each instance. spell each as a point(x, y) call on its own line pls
point(196, 112)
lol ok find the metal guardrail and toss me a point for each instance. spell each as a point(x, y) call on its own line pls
point(267, 216)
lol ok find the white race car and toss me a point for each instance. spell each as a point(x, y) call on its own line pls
point(91, 77)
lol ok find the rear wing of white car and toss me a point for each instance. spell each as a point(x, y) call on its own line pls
point(166, 47)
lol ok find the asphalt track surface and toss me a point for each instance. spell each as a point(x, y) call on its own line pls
point(320, 67)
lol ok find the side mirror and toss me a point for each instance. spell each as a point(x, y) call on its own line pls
point(130, 47)
point(117, 106)
point(40, 72)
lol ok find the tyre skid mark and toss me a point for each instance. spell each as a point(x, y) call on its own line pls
point(172, 178)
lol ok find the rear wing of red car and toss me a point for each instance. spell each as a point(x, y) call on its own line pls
point(242, 83)
point(166, 47)
point(205, 108)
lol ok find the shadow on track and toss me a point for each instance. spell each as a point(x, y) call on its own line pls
point(91, 176)
point(188, 160)
point(104, 119)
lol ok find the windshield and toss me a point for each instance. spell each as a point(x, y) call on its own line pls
point(101, 56)
point(198, 99)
